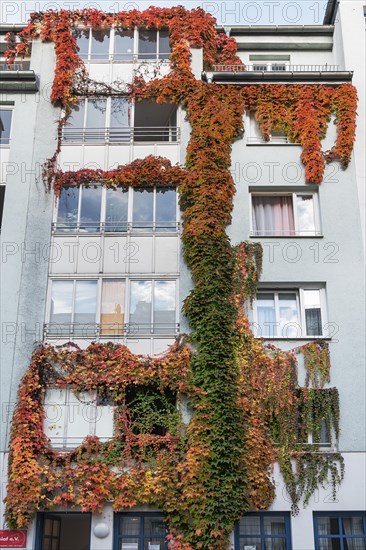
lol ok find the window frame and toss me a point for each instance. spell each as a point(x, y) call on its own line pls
point(61, 229)
point(68, 405)
point(87, 330)
point(104, 135)
point(11, 109)
point(294, 194)
point(341, 536)
point(2, 203)
point(254, 136)
point(262, 536)
point(116, 527)
point(299, 290)
point(114, 57)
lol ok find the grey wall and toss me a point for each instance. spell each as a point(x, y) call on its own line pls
point(26, 227)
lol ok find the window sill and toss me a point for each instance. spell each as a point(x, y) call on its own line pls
point(312, 236)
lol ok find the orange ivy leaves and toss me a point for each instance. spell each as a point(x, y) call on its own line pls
point(303, 113)
point(147, 172)
point(39, 477)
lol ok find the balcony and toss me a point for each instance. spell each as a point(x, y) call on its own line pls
point(116, 227)
point(122, 135)
point(114, 331)
point(276, 72)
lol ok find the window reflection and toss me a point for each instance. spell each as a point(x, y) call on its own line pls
point(123, 45)
point(164, 45)
point(96, 119)
point(5, 124)
point(140, 304)
point(147, 44)
point(266, 315)
point(120, 119)
point(82, 39)
point(68, 204)
point(305, 213)
point(143, 208)
point(85, 302)
point(90, 209)
point(165, 209)
point(61, 302)
point(100, 44)
point(116, 210)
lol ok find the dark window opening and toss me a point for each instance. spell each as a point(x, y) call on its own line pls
point(5, 125)
point(155, 121)
point(63, 531)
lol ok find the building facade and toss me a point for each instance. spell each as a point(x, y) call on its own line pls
point(97, 262)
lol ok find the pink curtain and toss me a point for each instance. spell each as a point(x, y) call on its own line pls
point(273, 215)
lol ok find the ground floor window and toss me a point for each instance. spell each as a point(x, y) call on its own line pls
point(63, 531)
point(340, 530)
point(263, 531)
point(140, 531)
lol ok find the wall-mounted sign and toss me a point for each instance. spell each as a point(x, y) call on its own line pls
point(13, 539)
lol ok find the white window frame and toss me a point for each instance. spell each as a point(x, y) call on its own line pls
point(110, 55)
point(254, 136)
point(154, 329)
point(294, 194)
point(8, 108)
point(130, 228)
point(300, 308)
point(63, 442)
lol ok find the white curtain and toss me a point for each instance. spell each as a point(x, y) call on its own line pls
point(273, 215)
point(353, 526)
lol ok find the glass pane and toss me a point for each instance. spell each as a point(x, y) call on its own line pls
point(250, 525)
point(266, 315)
point(129, 525)
point(154, 527)
point(120, 119)
point(2, 200)
point(289, 317)
point(273, 215)
point(90, 208)
point(274, 525)
point(85, 302)
point(147, 44)
point(250, 543)
point(166, 207)
point(67, 213)
point(328, 525)
point(313, 317)
point(354, 544)
point(82, 39)
point(96, 120)
point(164, 306)
point(130, 544)
point(123, 45)
point(100, 44)
point(73, 131)
point(140, 305)
point(5, 124)
point(353, 526)
point(143, 204)
point(56, 528)
point(112, 316)
point(329, 544)
point(116, 209)
point(61, 301)
point(47, 526)
point(164, 46)
point(275, 544)
point(305, 214)
point(154, 544)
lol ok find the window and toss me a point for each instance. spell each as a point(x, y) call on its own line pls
point(263, 531)
point(277, 136)
point(285, 215)
point(5, 125)
point(280, 64)
point(70, 417)
point(340, 530)
point(112, 307)
point(2, 200)
point(96, 208)
point(60, 530)
point(140, 531)
point(292, 313)
point(116, 120)
point(153, 44)
point(98, 45)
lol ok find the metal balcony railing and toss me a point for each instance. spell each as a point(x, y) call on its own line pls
point(273, 139)
point(11, 67)
point(116, 226)
point(152, 134)
point(127, 57)
point(95, 331)
point(274, 67)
